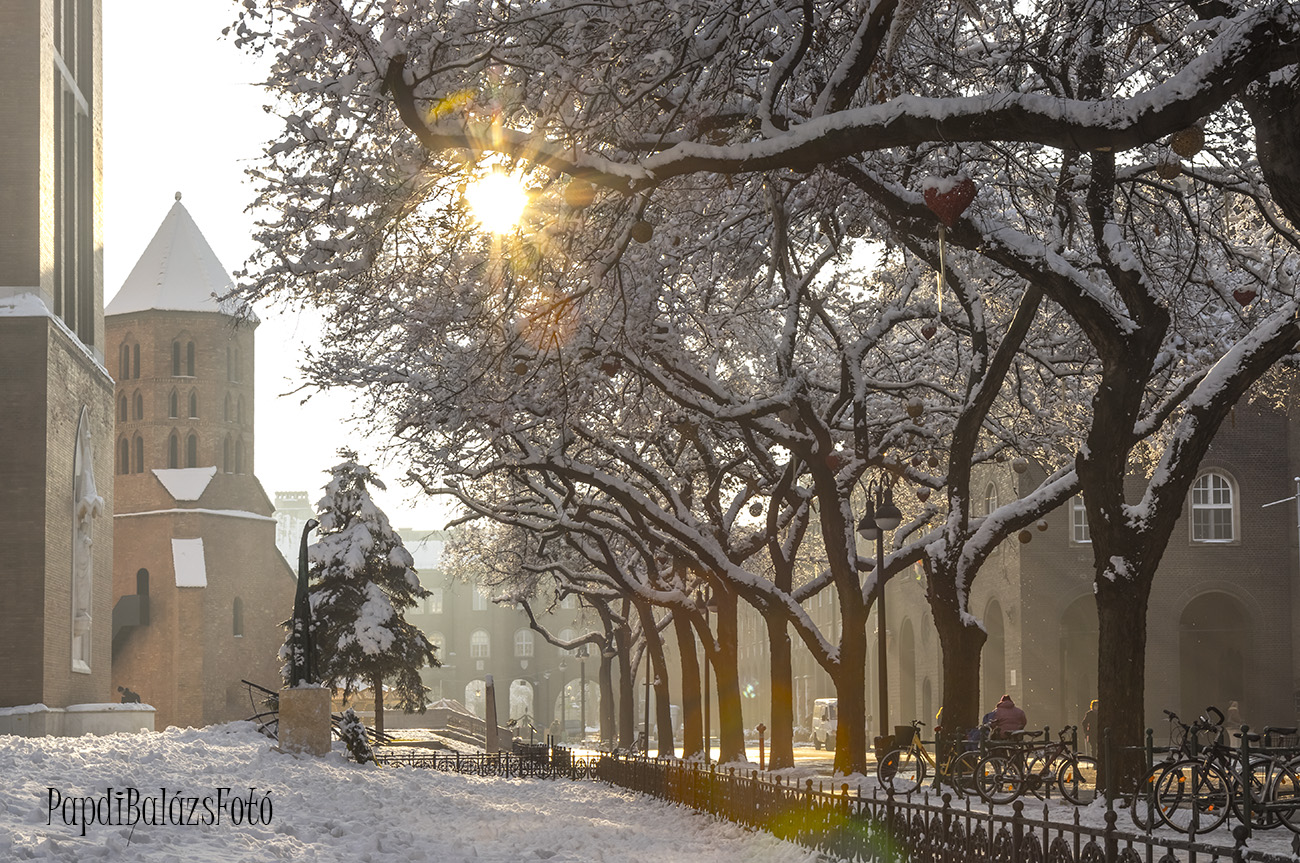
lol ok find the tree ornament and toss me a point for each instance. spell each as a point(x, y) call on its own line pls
point(928, 330)
point(922, 494)
point(1244, 296)
point(916, 461)
point(949, 197)
point(1188, 142)
point(933, 460)
point(610, 366)
point(642, 231)
point(756, 509)
point(521, 368)
point(1041, 524)
point(834, 461)
point(1019, 464)
point(1025, 536)
point(579, 193)
point(915, 407)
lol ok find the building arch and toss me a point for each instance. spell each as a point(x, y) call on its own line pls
point(476, 697)
point(521, 699)
point(1214, 636)
point(142, 581)
point(1213, 503)
point(1078, 658)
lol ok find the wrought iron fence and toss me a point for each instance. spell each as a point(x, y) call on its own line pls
point(883, 827)
point(531, 763)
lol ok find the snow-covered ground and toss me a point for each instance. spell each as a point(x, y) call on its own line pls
point(323, 809)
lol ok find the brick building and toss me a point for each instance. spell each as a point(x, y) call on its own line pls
point(1221, 624)
point(56, 412)
point(199, 588)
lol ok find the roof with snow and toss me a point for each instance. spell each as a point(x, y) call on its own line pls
point(187, 559)
point(186, 483)
point(177, 272)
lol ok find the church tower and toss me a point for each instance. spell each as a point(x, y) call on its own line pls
point(200, 589)
point(56, 396)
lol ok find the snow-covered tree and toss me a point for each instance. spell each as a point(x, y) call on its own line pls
point(362, 582)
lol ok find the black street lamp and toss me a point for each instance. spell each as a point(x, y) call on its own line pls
point(582, 677)
point(881, 515)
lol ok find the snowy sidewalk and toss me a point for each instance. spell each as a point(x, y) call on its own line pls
point(324, 810)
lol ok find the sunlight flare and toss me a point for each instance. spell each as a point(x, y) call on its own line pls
point(497, 201)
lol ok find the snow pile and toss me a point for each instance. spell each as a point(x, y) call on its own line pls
point(324, 809)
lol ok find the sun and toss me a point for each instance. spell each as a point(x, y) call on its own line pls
point(497, 201)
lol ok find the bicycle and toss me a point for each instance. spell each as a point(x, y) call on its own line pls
point(1021, 764)
point(904, 768)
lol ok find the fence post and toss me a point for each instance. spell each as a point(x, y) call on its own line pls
point(1245, 779)
point(1108, 754)
point(1112, 842)
point(1151, 749)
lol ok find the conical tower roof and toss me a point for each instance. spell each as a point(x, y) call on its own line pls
point(177, 272)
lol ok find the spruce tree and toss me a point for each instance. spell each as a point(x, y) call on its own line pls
point(362, 582)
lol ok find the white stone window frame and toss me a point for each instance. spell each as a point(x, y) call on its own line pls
point(1206, 497)
point(480, 644)
point(524, 644)
point(1080, 531)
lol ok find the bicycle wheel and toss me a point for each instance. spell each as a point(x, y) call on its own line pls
point(1274, 795)
point(999, 778)
point(902, 770)
point(961, 774)
point(1077, 779)
point(1143, 805)
point(1192, 796)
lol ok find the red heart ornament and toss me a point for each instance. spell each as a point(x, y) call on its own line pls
point(1243, 296)
point(928, 330)
point(950, 198)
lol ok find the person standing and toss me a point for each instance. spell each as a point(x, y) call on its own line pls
point(1089, 723)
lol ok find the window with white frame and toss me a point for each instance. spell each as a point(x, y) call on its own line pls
point(990, 499)
point(567, 635)
point(570, 601)
point(480, 600)
point(1213, 508)
point(439, 642)
point(479, 644)
point(434, 600)
point(524, 643)
point(1079, 533)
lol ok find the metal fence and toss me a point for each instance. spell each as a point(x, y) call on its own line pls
point(528, 762)
point(882, 827)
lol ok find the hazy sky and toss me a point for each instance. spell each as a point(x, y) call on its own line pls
point(182, 113)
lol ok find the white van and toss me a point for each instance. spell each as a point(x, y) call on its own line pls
point(824, 722)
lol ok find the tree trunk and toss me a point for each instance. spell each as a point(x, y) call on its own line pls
point(608, 724)
point(851, 693)
point(782, 694)
point(1121, 674)
point(960, 642)
point(626, 690)
point(731, 721)
point(692, 719)
point(658, 669)
point(378, 684)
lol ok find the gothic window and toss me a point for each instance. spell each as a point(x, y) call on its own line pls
point(124, 363)
point(192, 451)
point(225, 456)
point(194, 404)
point(230, 367)
point(123, 456)
point(135, 361)
point(189, 359)
point(86, 506)
point(173, 405)
point(239, 411)
point(139, 406)
point(226, 409)
point(239, 456)
point(173, 451)
point(139, 455)
point(121, 408)
point(176, 359)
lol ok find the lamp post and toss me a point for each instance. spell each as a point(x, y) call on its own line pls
point(647, 699)
point(710, 606)
point(564, 699)
point(881, 515)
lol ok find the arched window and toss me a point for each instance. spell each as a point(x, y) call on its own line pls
point(230, 365)
point(1079, 532)
point(189, 359)
point(176, 359)
point(192, 451)
point(123, 456)
point(479, 644)
point(226, 409)
point(173, 451)
point(225, 456)
point(238, 615)
point(194, 403)
point(239, 456)
point(138, 467)
point(238, 374)
point(173, 405)
point(239, 411)
point(479, 602)
point(1213, 508)
point(121, 408)
point(135, 361)
point(139, 405)
point(142, 582)
point(990, 499)
point(524, 643)
point(124, 363)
